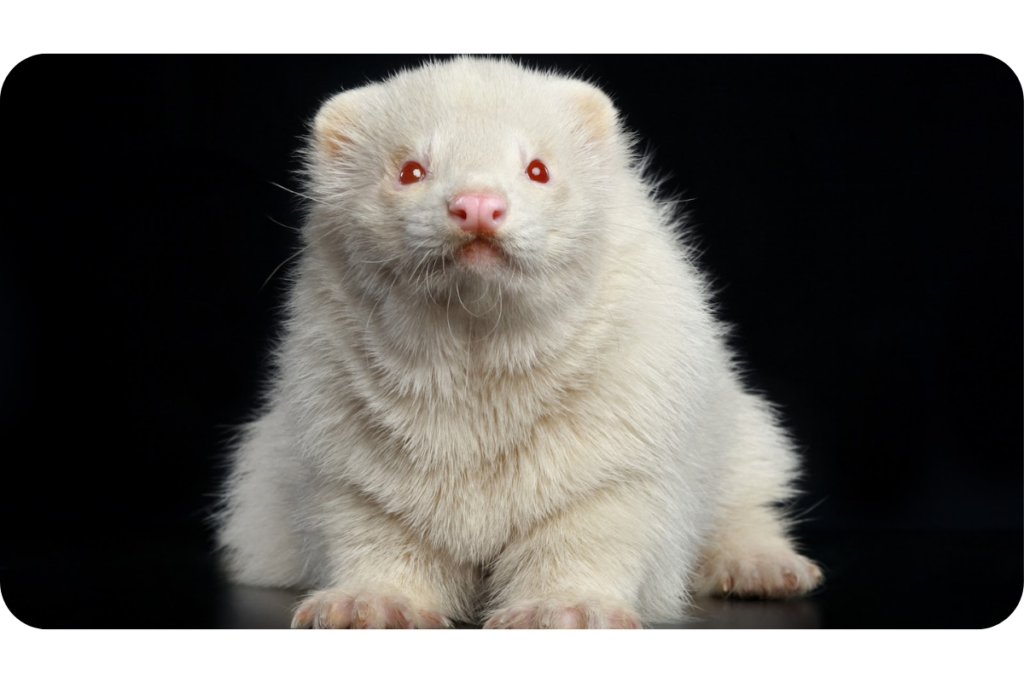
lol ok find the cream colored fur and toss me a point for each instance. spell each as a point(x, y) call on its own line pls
point(557, 439)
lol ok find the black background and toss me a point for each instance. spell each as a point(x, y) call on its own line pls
point(860, 216)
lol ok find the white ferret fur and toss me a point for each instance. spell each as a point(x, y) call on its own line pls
point(550, 432)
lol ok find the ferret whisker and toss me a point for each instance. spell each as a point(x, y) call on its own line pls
point(362, 302)
point(497, 323)
point(387, 260)
point(459, 295)
point(299, 194)
point(501, 310)
point(422, 270)
point(366, 330)
point(298, 252)
point(447, 316)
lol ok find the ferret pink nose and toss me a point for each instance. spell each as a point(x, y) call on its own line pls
point(478, 212)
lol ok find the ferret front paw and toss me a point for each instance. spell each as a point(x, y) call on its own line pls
point(780, 573)
point(338, 609)
point(553, 613)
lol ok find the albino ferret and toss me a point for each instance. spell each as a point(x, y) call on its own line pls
point(501, 395)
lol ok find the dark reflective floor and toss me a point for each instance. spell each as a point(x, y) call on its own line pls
point(949, 579)
point(246, 607)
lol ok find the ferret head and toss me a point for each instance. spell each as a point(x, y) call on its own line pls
point(468, 173)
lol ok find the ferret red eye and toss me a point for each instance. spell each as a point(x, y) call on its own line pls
point(412, 172)
point(537, 171)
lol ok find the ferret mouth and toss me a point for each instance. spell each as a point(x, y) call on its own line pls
point(473, 257)
point(479, 252)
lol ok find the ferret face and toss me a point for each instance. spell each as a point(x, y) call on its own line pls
point(465, 172)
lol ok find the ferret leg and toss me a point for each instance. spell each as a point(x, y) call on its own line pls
point(381, 574)
point(749, 552)
point(258, 540)
point(583, 567)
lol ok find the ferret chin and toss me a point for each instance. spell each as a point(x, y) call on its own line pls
point(501, 396)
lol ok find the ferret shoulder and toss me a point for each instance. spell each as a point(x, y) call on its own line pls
point(502, 396)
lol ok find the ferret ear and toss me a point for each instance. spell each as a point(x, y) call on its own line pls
point(337, 124)
point(598, 117)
